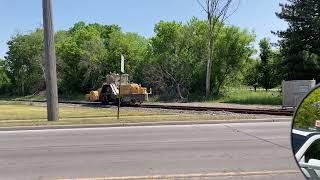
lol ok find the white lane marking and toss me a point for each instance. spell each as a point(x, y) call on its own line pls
point(204, 175)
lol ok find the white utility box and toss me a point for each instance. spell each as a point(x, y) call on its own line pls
point(293, 92)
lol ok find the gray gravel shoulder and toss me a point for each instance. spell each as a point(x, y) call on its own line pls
point(216, 104)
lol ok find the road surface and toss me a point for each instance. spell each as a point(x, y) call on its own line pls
point(248, 151)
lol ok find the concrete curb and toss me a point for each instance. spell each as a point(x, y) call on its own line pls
point(166, 123)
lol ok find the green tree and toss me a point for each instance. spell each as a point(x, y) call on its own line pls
point(79, 57)
point(251, 73)
point(234, 47)
point(176, 58)
point(216, 12)
point(178, 51)
point(5, 81)
point(265, 66)
point(86, 53)
point(82, 57)
point(170, 71)
point(300, 42)
point(24, 63)
point(268, 66)
point(173, 62)
point(133, 47)
point(195, 37)
point(90, 52)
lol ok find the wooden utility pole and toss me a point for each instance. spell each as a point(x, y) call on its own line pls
point(50, 61)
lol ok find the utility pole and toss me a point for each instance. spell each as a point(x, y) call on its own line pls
point(50, 61)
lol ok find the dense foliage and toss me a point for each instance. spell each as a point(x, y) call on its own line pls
point(5, 81)
point(172, 62)
point(85, 55)
point(309, 111)
point(23, 63)
point(266, 71)
point(89, 52)
point(177, 58)
point(300, 45)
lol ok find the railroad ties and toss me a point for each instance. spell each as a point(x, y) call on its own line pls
point(277, 112)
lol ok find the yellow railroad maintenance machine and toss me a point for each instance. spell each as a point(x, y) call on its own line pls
point(112, 90)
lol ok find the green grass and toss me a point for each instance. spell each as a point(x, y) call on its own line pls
point(242, 95)
point(246, 96)
point(29, 115)
point(30, 112)
point(30, 98)
point(42, 97)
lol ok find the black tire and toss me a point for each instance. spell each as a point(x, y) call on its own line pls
point(133, 102)
point(104, 100)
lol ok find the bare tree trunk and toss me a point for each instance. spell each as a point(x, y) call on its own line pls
point(22, 87)
point(177, 85)
point(209, 62)
point(217, 12)
point(179, 91)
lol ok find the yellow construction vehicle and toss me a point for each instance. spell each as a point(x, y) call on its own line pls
point(112, 90)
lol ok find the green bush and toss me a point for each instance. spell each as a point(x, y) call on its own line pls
point(308, 112)
point(247, 96)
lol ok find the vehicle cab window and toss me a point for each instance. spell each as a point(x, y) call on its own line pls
point(313, 151)
point(298, 140)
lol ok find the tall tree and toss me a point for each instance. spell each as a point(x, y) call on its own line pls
point(24, 63)
point(217, 12)
point(265, 71)
point(300, 42)
point(177, 53)
point(265, 68)
point(250, 73)
point(167, 55)
point(91, 51)
point(133, 47)
point(5, 81)
point(234, 47)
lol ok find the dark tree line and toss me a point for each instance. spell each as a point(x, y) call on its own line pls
point(300, 43)
point(266, 71)
point(298, 57)
point(174, 61)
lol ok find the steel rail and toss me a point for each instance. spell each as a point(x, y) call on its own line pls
point(277, 112)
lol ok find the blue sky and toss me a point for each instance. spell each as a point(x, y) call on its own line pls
point(22, 16)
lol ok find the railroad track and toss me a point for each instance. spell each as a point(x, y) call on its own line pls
point(277, 112)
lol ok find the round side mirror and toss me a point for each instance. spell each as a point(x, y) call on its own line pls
point(305, 135)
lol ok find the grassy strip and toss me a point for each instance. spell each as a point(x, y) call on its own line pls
point(246, 96)
point(28, 115)
point(111, 120)
point(42, 97)
point(243, 95)
point(25, 112)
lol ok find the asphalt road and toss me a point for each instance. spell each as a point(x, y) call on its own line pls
point(249, 151)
